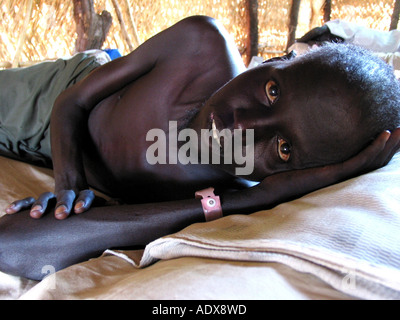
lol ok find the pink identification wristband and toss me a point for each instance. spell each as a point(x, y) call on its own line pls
point(211, 204)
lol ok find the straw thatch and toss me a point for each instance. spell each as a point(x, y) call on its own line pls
point(33, 30)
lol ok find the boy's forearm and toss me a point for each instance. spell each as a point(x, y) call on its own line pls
point(26, 244)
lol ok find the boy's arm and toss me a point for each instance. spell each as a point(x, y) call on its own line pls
point(69, 130)
point(69, 121)
point(69, 124)
point(27, 245)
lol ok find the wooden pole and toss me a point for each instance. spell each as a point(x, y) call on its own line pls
point(327, 10)
point(395, 16)
point(293, 20)
point(91, 28)
point(132, 23)
point(21, 39)
point(252, 30)
point(122, 25)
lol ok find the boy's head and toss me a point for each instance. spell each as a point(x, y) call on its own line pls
point(360, 94)
point(316, 109)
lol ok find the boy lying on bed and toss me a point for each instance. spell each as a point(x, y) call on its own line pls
point(314, 120)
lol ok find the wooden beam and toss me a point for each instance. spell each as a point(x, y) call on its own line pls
point(327, 10)
point(132, 23)
point(124, 32)
point(293, 21)
point(395, 16)
point(91, 28)
point(252, 30)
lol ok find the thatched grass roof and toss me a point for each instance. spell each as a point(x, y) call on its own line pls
point(33, 30)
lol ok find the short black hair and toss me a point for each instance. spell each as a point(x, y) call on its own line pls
point(378, 89)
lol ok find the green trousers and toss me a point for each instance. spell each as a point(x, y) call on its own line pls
point(27, 96)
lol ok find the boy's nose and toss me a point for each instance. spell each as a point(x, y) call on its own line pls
point(253, 119)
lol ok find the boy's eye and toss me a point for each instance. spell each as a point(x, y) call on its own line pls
point(272, 91)
point(284, 150)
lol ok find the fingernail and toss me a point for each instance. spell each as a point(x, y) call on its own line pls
point(37, 208)
point(79, 207)
point(36, 214)
point(61, 212)
point(10, 209)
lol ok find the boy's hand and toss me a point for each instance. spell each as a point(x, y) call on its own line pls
point(67, 201)
point(283, 186)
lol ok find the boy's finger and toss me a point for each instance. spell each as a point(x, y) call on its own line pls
point(19, 205)
point(40, 205)
point(84, 201)
point(65, 200)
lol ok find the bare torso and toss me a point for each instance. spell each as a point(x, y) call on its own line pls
point(171, 90)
